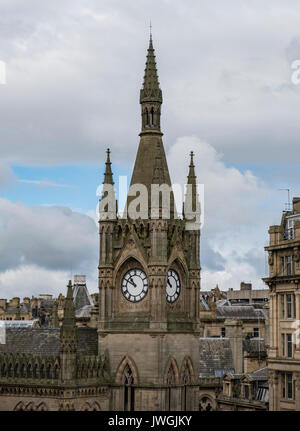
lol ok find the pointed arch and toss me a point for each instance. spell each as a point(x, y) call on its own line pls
point(19, 407)
point(171, 376)
point(96, 407)
point(187, 377)
point(178, 261)
point(30, 407)
point(86, 407)
point(171, 379)
point(187, 374)
point(126, 362)
point(42, 407)
point(128, 261)
point(127, 376)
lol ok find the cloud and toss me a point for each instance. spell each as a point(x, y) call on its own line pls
point(7, 177)
point(45, 184)
point(74, 70)
point(49, 237)
point(236, 215)
point(28, 280)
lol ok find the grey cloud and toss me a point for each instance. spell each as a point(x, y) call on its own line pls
point(74, 70)
point(54, 238)
point(211, 260)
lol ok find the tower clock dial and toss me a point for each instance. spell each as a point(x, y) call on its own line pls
point(173, 286)
point(135, 285)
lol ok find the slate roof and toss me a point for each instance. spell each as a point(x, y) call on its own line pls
point(46, 342)
point(261, 374)
point(243, 312)
point(215, 357)
point(254, 346)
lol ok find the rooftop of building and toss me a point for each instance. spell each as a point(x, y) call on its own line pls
point(46, 342)
point(215, 357)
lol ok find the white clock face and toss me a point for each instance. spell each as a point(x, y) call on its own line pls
point(135, 285)
point(173, 286)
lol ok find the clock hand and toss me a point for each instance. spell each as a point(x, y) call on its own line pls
point(169, 283)
point(131, 282)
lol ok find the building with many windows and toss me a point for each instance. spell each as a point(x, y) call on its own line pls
point(283, 281)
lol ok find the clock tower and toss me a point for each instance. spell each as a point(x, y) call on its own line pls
point(149, 279)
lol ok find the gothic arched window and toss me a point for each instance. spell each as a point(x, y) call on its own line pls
point(151, 119)
point(128, 381)
point(170, 381)
point(29, 371)
point(42, 371)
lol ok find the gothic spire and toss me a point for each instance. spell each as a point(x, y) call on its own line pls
point(69, 310)
point(191, 175)
point(151, 91)
point(68, 338)
point(54, 317)
point(151, 164)
point(108, 175)
point(191, 202)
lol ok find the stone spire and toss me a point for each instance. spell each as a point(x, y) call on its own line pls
point(151, 91)
point(151, 95)
point(108, 175)
point(151, 164)
point(108, 208)
point(68, 329)
point(68, 339)
point(191, 196)
point(54, 317)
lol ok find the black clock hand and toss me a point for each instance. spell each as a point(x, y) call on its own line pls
point(131, 282)
point(169, 283)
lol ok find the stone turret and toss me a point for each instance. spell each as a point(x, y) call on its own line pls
point(54, 317)
point(68, 339)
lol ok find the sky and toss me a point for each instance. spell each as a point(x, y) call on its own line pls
point(73, 74)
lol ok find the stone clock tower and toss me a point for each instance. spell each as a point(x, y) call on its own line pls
point(149, 282)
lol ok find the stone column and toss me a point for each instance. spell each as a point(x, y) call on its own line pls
point(272, 349)
point(234, 331)
point(297, 324)
point(274, 395)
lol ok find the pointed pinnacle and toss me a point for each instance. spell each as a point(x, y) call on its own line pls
point(151, 90)
point(70, 290)
point(108, 175)
point(69, 311)
point(191, 176)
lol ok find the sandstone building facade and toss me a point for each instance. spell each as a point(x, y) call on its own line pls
point(283, 282)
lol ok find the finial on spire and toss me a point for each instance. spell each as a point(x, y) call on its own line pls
point(70, 290)
point(108, 155)
point(192, 158)
point(151, 91)
point(150, 26)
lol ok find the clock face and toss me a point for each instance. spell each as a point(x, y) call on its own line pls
point(135, 285)
point(173, 286)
